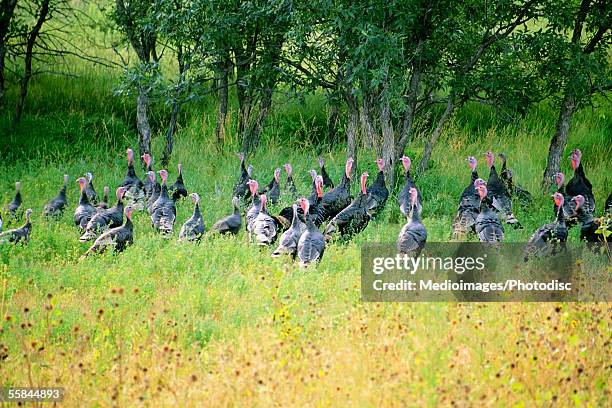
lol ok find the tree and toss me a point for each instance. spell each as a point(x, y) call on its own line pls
point(573, 52)
point(7, 11)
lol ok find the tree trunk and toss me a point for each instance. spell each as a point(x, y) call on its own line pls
point(170, 134)
point(368, 133)
point(252, 132)
point(223, 102)
point(388, 143)
point(333, 115)
point(142, 122)
point(408, 120)
point(27, 73)
point(7, 11)
point(352, 127)
point(559, 141)
point(450, 106)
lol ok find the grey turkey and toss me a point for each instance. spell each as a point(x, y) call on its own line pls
point(488, 226)
point(241, 190)
point(103, 205)
point(105, 219)
point(568, 211)
point(90, 190)
point(18, 235)
point(289, 183)
point(264, 226)
point(117, 238)
point(339, 197)
point(316, 195)
point(378, 192)
point(327, 181)
point(354, 218)
point(516, 191)
point(500, 197)
point(134, 194)
point(311, 244)
point(549, 238)
point(289, 239)
point(193, 228)
point(230, 224)
point(579, 183)
point(15, 204)
point(413, 235)
point(149, 184)
point(253, 211)
point(154, 192)
point(404, 195)
point(178, 189)
point(163, 214)
point(588, 224)
point(57, 205)
point(273, 190)
point(469, 205)
point(84, 211)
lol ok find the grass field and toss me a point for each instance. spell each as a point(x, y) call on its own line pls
point(224, 324)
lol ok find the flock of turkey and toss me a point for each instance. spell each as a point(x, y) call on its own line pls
point(483, 206)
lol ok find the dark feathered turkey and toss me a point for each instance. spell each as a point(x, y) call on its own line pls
point(354, 218)
point(404, 195)
point(608, 207)
point(588, 225)
point(327, 181)
point(18, 235)
point(57, 205)
point(241, 190)
point(546, 239)
point(311, 244)
point(84, 211)
point(288, 242)
point(163, 214)
point(149, 182)
point(134, 195)
point(15, 204)
point(193, 228)
point(469, 205)
point(339, 197)
point(116, 238)
point(103, 205)
point(105, 219)
point(273, 190)
point(580, 184)
point(178, 189)
point(230, 224)
point(488, 226)
point(155, 191)
point(90, 190)
point(499, 195)
point(515, 191)
point(289, 183)
point(378, 192)
point(413, 235)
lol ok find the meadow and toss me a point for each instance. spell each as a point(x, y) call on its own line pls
point(222, 323)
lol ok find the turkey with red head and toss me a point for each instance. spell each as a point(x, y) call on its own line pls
point(546, 239)
point(163, 214)
point(84, 211)
point(148, 183)
point(193, 228)
point(116, 238)
point(404, 195)
point(154, 192)
point(57, 205)
point(413, 236)
point(354, 218)
point(488, 226)
point(499, 195)
point(377, 191)
point(90, 190)
point(588, 225)
point(273, 190)
point(178, 189)
point(580, 184)
point(469, 205)
point(339, 197)
point(311, 244)
point(18, 235)
point(134, 195)
point(105, 219)
point(264, 226)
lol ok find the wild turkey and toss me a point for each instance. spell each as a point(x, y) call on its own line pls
point(255, 207)
point(289, 240)
point(608, 207)
point(15, 204)
point(311, 244)
point(263, 225)
point(134, 194)
point(488, 226)
point(507, 177)
point(469, 205)
point(90, 190)
point(500, 197)
point(56, 206)
point(327, 181)
point(339, 197)
point(283, 219)
point(230, 224)
point(193, 228)
point(404, 195)
point(579, 184)
point(105, 219)
point(148, 183)
point(273, 188)
point(155, 191)
point(568, 211)
point(377, 191)
point(84, 211)
point(289, 183)
point(588, 224)
point(1, 222)
point(241, 190)
point(103, 205)
point(18, 235)
point(163, 212)
point(354, 218)
point(178, 189)
point(544, 240)
point(118, 238)
point(413, 236)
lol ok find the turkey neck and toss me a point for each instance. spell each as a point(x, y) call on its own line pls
point(84, 200)
point(164, 191)
point(295, 219)
point(380, 179)
point(309, 224)
point(196, 210)
point(474, 176)
point(130, 170)
point(62, 192)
